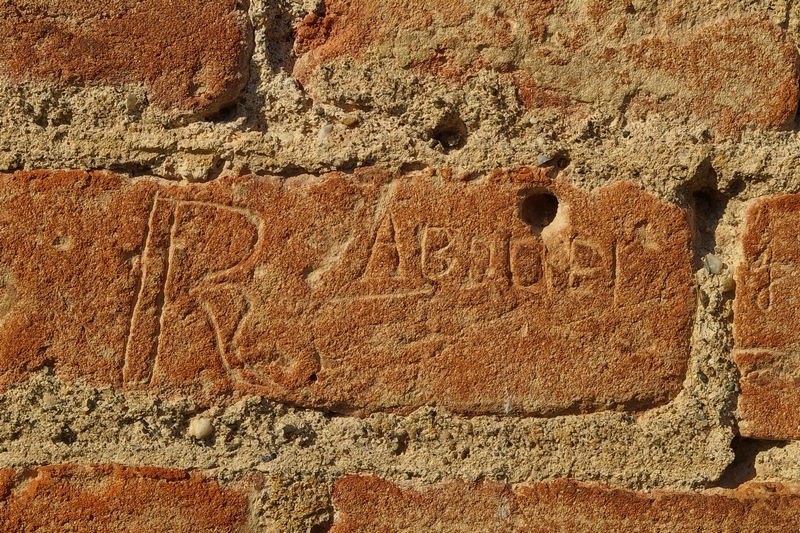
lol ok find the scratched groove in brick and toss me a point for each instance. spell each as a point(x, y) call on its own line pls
point(193, 54)
point(372, 504)
point(363, 293)
point(766, 316)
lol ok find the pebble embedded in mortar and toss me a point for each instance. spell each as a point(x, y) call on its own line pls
point(713, 264)
point(200, 428)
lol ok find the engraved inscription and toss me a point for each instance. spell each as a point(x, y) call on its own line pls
point(408, 279)
point(587, 265)
point(145, 327)
point(768, 280)
point(189, 264)
point(447, 255)
point(480, 259)
point(436, 245)
point(356, 292)
point(767, 340)
point(526, 261)
point(761, 277)
point(384, 259)
point(7, 292)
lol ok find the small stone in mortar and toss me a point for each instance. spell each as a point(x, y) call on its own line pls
point(713, 264)
point(200, 428)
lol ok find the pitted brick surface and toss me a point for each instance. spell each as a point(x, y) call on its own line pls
point(192, 54)
point(250, 331)
point(109, 498)
point(766, 317)
point(730, 74)
point(511, 294)
point(372, 504)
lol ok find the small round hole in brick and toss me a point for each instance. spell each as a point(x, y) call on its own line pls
point(451, 133)
point(538, 209)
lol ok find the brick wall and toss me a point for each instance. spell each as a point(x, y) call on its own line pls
point(314, 266)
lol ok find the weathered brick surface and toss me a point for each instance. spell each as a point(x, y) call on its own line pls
point(110, 498)
point(510, 294)
point(288, 331)
point(729, 74)
point(766, 316)
point(375, 505)
point(192, 54)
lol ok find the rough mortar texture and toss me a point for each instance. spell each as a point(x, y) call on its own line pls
point(353, 265)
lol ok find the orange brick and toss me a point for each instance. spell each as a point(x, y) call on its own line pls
point(117, 498)
point(510, 294)
point(378, 506)
point(192, 54)
point(766, 314)
point(731, 74)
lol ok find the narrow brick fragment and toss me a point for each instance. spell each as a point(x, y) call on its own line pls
point(767, 311)
point(730, 74)
point(192, 54)
point(513, 294)
point(109, 498)
point(378, 506)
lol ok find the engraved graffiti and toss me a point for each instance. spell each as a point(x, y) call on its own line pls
point(762, 277)
point(480, 259)
point(7, 292)
point(206, 287)
point(436, 242)
point(384, 260)
point(587, 263)
point(187, 265)
point(406, 260)
point(526, 261)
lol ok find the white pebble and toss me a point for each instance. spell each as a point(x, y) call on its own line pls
point(200, 428)
point(713, 264)
point(543, 159)
point(325, 131)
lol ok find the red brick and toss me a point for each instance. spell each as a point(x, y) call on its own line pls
point(192, 54)
point(354, 293)
point(378, 506)
point(766, 314)
point(117, 498)
point(730, 74)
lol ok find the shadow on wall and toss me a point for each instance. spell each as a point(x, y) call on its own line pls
point(743, 467)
